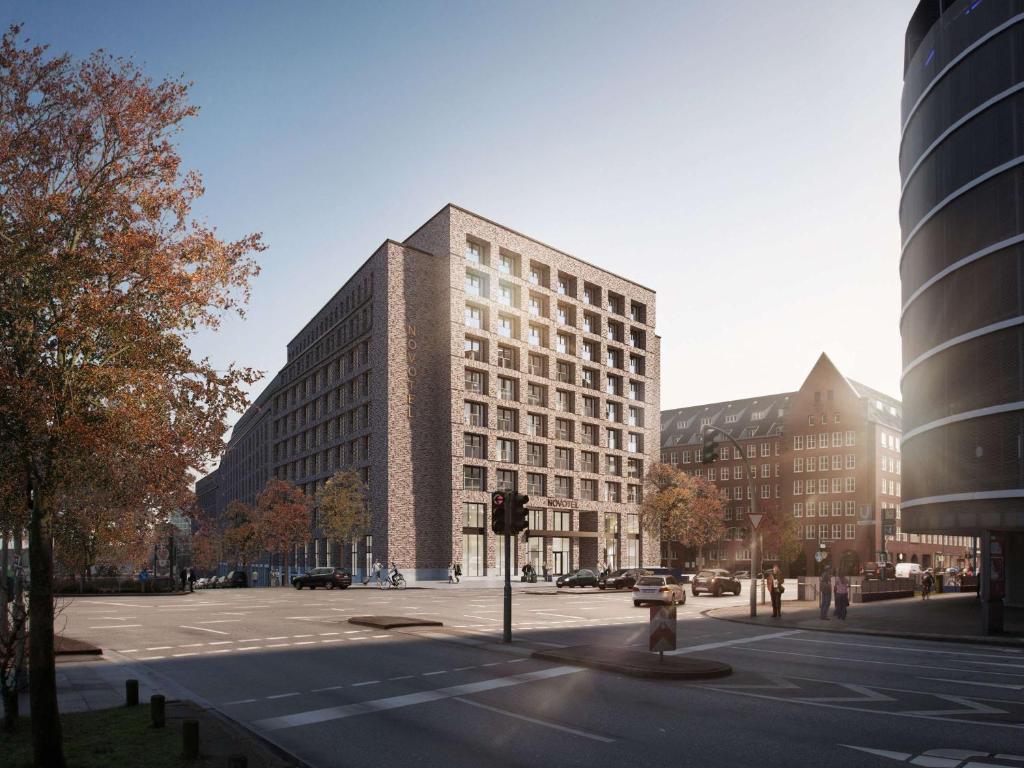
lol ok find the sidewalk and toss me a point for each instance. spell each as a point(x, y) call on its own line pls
point(951, 617)
point(88, 684)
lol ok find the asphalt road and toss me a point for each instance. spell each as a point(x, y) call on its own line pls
point(289, 665)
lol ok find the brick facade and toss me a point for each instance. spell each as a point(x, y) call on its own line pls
point(465, 313)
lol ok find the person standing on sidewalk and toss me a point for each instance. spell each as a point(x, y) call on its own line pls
point(451, 573)
point(825, 592)
point(842, 596)
point(775, 589)
point(191, 580)
point(458, 572)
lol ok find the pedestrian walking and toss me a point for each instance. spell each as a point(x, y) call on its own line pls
point(451, 573)
point(825, 592)
point(776, 586)
point(143, 578)
point(927, 582)
point(184, 578)
point(191, 580)
point(458, 572)
point(842, 596)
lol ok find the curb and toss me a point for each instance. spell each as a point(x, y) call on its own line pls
point(1006, 642)
point(678, 668)
point(392, 622)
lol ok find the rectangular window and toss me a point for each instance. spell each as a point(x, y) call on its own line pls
point(798, 442)
point(837, 509)
point(473, 478)
point(851, 508)
point(506, 388)
point(837, 485)
point(798, 510)
point(475, 414)
point(588, 490)
point(812, 441)
point(725, 473)
point(508, 420)
point(507, 450)
point(823, 532)
point(812, 486)
point(563, 487)
point(505, 480)
point(473, 514)
point(588, 461)
point(536, 484)
point(612, 492)
point(536, 455)
point(837, 461)
point(850, 530)
point(809, 532)
point(798, 465)
point(812, 463)
point(507, 357)
point(851, 484)
point(837, 439)
point(475, 446)
point(564, 429)
point(474, 349)
point(563, 458)
point(588, 434)
point(798, 487)
point(475, 382)
point(837, 532)
point(851, 461)
point(536, 425)
point(851, 438)
point(812, 508)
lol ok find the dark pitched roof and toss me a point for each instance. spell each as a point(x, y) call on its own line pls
point(681, 426)
point(880, 406)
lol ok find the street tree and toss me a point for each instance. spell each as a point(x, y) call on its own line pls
point(104, 276)
point(681, 507)
point(243, 536)
point(283, 512)
point(341, 503)
point(207, 543)
point(781, 533)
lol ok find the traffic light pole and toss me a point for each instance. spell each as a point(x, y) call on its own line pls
point(507, 631)
point(755, 550)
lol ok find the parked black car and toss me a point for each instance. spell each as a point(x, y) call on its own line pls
point(328, 578)
point(234, 579)
point(581, 578)
point(875, 570)
point(714, 581)
point(624, 578)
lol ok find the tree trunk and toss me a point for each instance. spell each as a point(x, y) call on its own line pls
point(47, 742)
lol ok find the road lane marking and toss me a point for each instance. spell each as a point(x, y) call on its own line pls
point(220, 621)
point(325, 634)
point(220, 642)
point(378, 637)
point(181, 655)
point(409, 677)
point(251, 640)
point(277, 645)
point(283, 695)
point(535, 721)
point(301, 635)
point(240, 701)
point(1008, 686)
point(192, 645)
point(394, 702)
point(282, 637)
point(328, 688)
point(204, 629)
point(151, 658)
point(160, 648)
point(116, 626)
point(439, 672)
point(306, 642)
point(737, 641)
point(368, 682)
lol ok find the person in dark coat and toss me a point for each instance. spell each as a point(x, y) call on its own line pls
point(184, 578)
point(775, 584)
point(825, 592)
point(191, 580)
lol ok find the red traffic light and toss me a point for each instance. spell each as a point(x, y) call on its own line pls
point(498, 499)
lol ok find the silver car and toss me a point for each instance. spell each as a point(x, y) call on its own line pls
point(659, 589)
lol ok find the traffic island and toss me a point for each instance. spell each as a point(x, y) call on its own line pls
point(636, 663)
point(393, 622)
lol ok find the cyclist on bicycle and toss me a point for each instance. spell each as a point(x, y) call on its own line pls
point(395, 573)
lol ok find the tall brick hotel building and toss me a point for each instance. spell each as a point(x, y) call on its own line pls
point(465, 359)
point(827, 454)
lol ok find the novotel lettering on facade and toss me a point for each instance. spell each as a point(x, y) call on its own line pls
point(413, 373)
point(563, 503)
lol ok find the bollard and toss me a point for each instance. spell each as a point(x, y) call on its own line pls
point(156, 709)
point(190, 739)
point(238, 761)
point(131, 693)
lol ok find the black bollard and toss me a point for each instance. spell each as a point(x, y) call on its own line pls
point(190, 739)
point(131, 693)
point(156, 709)
point(238, 761)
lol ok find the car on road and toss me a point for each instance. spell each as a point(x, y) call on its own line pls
point(584, 577)
point(328, 578)
point(714, 581)
point(624, 578)
point(234, 579)
point(659, 589)
point(875, 570)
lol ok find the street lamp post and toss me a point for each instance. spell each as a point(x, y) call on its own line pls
point(755, 518)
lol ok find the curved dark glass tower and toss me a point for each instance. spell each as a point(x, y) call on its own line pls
point(962, 270)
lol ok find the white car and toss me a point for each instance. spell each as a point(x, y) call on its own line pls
point(659, 589)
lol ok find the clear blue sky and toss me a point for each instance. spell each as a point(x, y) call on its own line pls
point(737, 155)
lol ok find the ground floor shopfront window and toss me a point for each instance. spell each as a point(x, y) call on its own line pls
point(631, 554)
point(561, 555)
point(473, 551)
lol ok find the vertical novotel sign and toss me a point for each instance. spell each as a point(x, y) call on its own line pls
point(411, 355)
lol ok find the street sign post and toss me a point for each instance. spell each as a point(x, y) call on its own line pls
point(663, 629)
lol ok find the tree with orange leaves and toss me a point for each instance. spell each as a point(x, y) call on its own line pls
point(104, 275)
point(681, 507)
point(283, 516)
